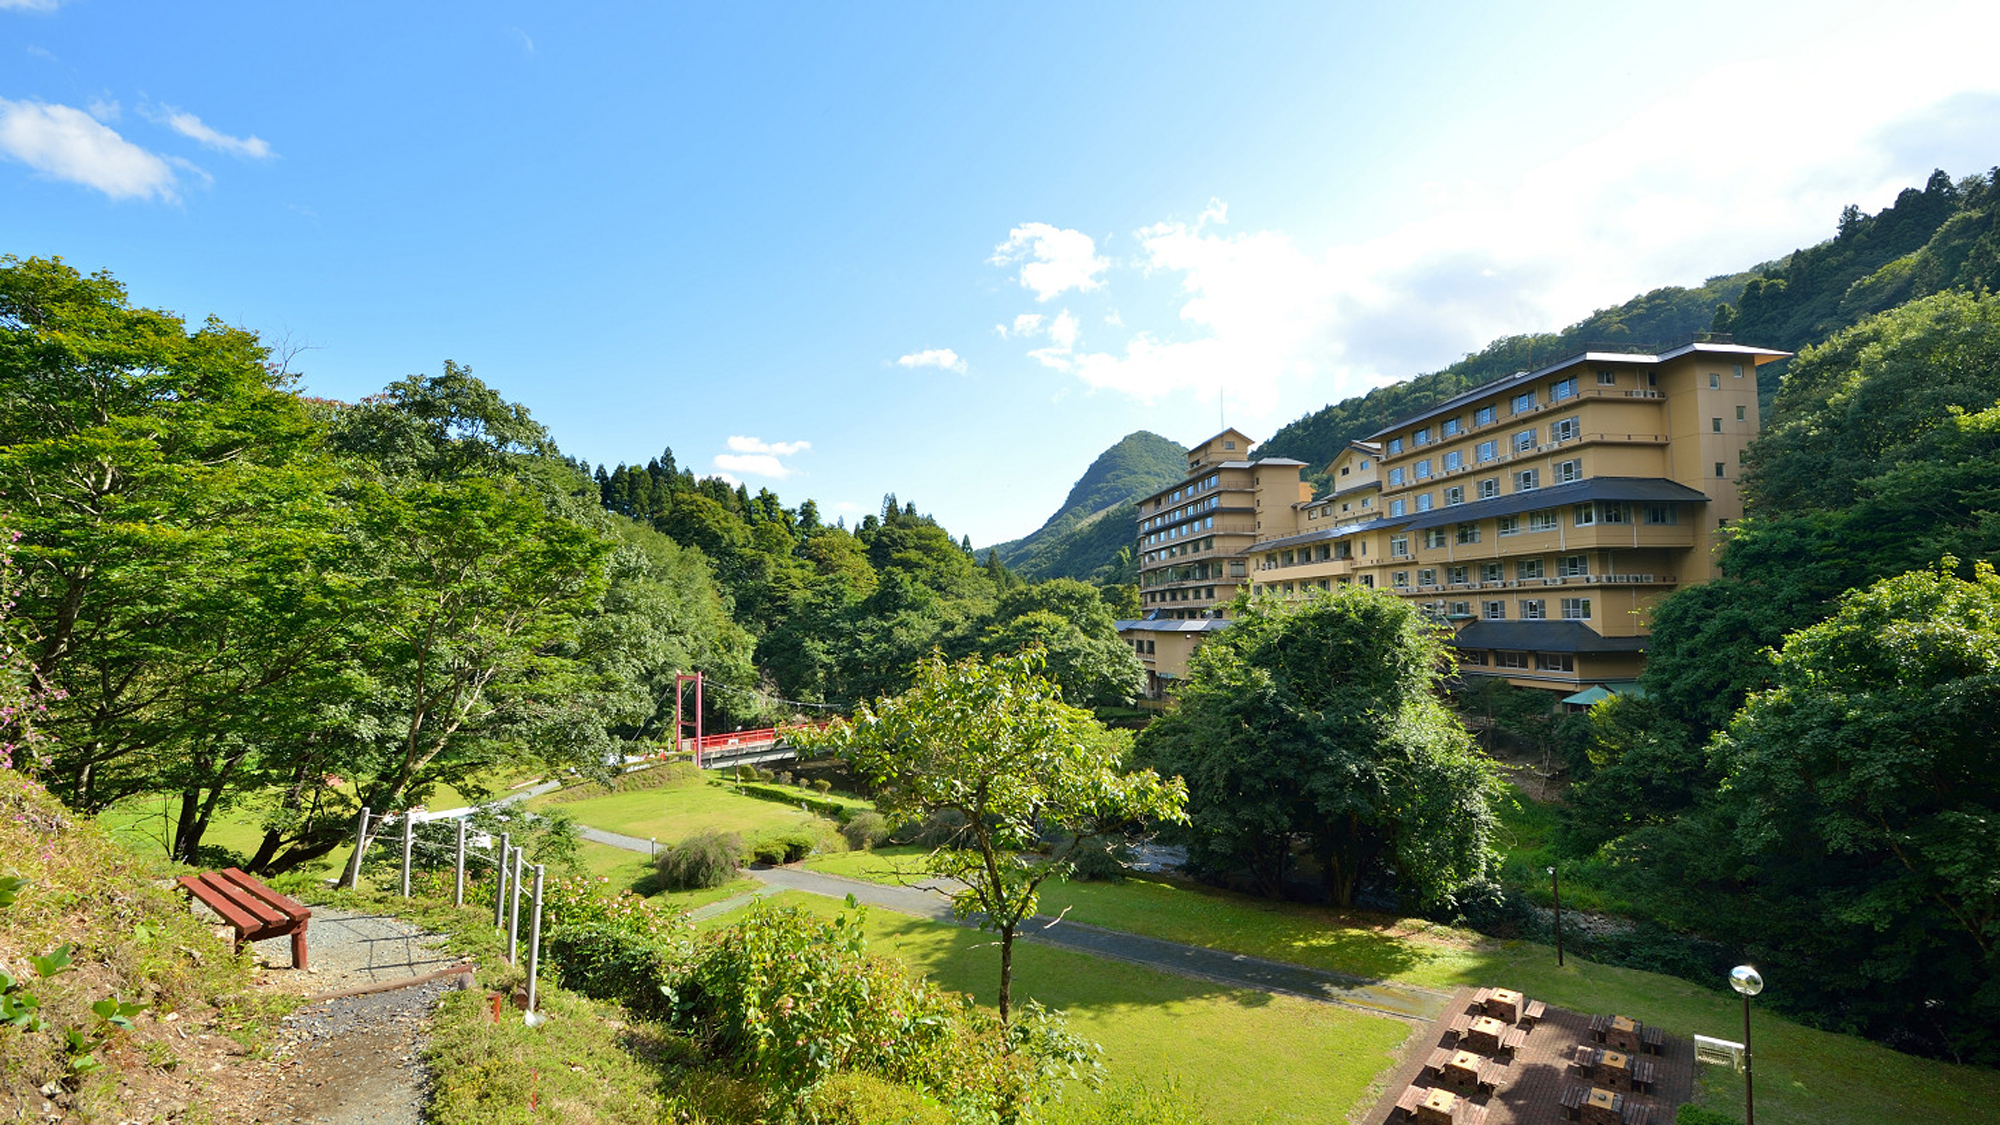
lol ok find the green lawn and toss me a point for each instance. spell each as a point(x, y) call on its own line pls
point(1247, 1055)
point(673, 814)
point(1804, 1075)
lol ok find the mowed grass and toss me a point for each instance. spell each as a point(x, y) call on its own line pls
point(673, 814)
point(1803, 1074)
point(1247, 1055)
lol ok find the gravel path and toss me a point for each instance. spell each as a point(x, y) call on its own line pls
point(355, 1060)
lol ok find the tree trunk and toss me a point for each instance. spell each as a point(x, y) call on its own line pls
point(1006, 972)
point(188, 827)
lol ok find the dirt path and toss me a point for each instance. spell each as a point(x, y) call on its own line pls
point(353, 1060)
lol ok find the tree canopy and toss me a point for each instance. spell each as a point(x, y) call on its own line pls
point(1319, 727)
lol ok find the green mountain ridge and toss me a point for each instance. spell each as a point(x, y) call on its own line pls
point(1082, 539)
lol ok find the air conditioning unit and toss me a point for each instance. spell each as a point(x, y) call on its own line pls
point(1719, 1052)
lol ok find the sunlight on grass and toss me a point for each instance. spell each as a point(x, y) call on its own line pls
point(673, 814)
point(1229, 1046)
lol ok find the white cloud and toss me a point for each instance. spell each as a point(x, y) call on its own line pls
point(69, 144)
point(105, 111)
point(192, 127)
point(756, 457)
point(933, 357)
point(527, 43)
point(1026, 324)
point(758, 445)
point(1058, 260)
point(31, 5)
point(1683, 187)
point(846, 506)
point(1063, 330)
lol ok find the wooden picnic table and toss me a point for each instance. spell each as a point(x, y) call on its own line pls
point(1622, 1034)
point(1603, 1107)
point(1504, 1004)
point(1612, 1069)
point(1484, 1034)
point(1653, 1041)
point(1439, 1107)
point(1459, 1025)
point(1471, 1071)
point(1533, 1013)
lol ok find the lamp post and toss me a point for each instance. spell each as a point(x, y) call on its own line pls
point(1555, 887)
point(1745, 980)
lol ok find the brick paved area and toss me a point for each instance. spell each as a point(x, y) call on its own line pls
point(1531, 1085)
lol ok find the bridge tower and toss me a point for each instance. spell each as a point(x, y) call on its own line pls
point(682, 720)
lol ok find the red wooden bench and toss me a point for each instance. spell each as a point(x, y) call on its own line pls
point(252, 909)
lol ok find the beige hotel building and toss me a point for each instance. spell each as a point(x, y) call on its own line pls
point(1542, 515)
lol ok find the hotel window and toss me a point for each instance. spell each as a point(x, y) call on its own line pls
point(1614, 512)
point(1556, 661)
point(1524, 441)
point(1576, 609)
point(1567, 471)
point(1456, 575)
point(1472, 656)
point(1454, 495)
point(1423, 501)
point(1433, 538)
point(1737, 369)
point(1509, 525)
point(1715, 425)
point(1368, 580)
point(1449, 428)
point(1428, 576)
point(1562, 389)
point(1510, 659)
point(1563, 430)
point(1572, 566)
point(1424, 469)
point(1583, 515)
point(1662, 513)
point(1493, 611)
point(1607, 378)
point(1524, 402)
point(1544, 520)
point(1468, 533)
point(1486, 451)
point(1489, 572)
point(1528, 480)
point(1395, 445)
point(1237, 569)
point(1489, 488)
point(1396, 507)
point(1400, 580)
point(1718, 468)
point(1534, 609)
point(1454, 461)
point(1421, 437)
point(1485, 416)
point(1714, 381)
point(1742, 414)
point(1395, 476)
point(1460, 609)
point(1399, 546)
point(1526, 569)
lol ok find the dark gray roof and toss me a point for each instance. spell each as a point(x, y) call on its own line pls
point(1505, 382)
point(1542, 636)
point(1199, 625)
point(1337, 532)
point(1642, 489)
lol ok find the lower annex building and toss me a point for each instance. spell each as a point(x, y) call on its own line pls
point(1542, 515)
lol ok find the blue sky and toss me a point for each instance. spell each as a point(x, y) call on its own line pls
point(947, 251)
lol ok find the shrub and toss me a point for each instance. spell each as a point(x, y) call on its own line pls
point(746, 772)
point(822, 786)
point(788, 846)
point(606, 962)
point(864, 1099)
point(1101, 860)
point(708, 859)
point(740, 1003)
point(765, 775)
point(939, 829)
point(865, 830)
point(784, 777)
point(585, 900)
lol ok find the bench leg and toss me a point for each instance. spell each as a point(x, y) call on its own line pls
point(299, 947)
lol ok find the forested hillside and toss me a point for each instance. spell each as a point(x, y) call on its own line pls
point(1083, 538)
point(1940, 237)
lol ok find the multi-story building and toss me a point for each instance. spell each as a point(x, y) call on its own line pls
point(1543, 514)
point(1193, 534)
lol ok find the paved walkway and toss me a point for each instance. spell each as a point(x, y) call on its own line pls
point(1385, 998)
